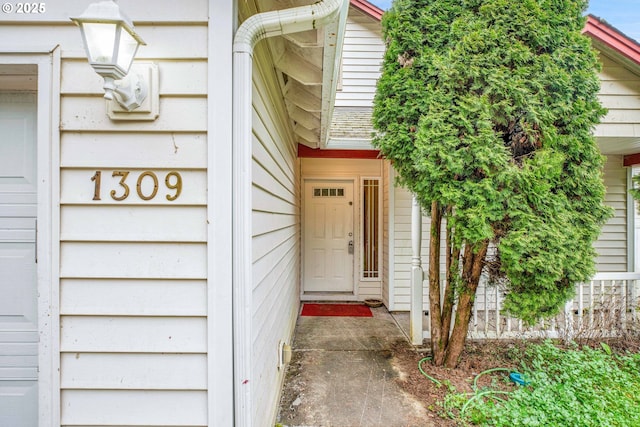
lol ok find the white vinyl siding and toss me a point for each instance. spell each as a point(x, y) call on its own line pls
point(618, 134)
point(612, 243)
point(619, 90)
point(191, 11)
point(276, 236)
point(127, 407)
point(133, 274)
point(361, 61)
point(402, 249)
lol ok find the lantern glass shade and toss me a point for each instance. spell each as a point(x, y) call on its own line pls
point(111, 43)
point(99, 39)
point(127, 48)
point(110, 39)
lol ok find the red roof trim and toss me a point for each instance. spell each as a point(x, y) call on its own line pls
point(631, 159)
point(304, 151)
point(605, 33)
point(368, 8)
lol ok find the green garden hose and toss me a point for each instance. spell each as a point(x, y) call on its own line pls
point(424, 373)
point(476, 393)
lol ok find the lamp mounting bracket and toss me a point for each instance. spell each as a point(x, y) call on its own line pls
point(136, 96)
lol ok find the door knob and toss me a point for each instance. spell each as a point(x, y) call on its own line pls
point(351, 247)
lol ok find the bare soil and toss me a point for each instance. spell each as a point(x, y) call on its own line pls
point(478, 357)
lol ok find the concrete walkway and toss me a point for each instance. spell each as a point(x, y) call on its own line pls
point(341, 375)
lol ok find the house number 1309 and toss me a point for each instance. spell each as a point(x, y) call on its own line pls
point(173, 182)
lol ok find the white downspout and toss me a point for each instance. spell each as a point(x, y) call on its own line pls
point(254, 29)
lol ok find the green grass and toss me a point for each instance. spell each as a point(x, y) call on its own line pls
point(568, 387)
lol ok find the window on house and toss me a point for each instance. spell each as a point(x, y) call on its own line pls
point(371, 229)
point(328, 192)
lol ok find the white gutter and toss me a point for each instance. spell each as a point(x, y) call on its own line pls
point(254, 29)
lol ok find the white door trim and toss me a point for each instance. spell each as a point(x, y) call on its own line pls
point(356, 236)
point(47, 236)
point(222, 26)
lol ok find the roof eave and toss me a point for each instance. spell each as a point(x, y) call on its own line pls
point(368, 8)
point(609, 40)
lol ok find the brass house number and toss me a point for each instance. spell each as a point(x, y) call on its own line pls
point(172, 182)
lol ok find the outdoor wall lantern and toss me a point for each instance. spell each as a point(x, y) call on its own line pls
point(111, 43)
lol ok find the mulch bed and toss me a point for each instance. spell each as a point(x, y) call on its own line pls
point(477, 357)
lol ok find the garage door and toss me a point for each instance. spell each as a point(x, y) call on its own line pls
point(18, 290)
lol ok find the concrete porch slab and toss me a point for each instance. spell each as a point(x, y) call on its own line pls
point(342, 374)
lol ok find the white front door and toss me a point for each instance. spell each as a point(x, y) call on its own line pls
point(328, 237)
point(18, 290)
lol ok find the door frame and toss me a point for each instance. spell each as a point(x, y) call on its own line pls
point(329, 296)
point(47, 59)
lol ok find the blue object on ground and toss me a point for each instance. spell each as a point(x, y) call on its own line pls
point(517, 378)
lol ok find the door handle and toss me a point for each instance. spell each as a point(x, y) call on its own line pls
point(351, 247)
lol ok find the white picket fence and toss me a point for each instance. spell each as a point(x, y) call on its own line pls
point(609, 305)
